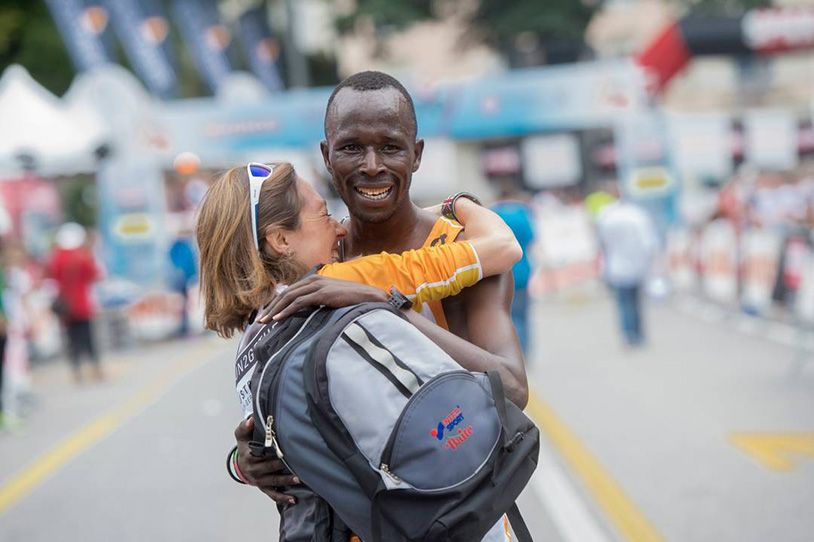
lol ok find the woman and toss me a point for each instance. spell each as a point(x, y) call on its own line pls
point(261, 228)
point(241, 269)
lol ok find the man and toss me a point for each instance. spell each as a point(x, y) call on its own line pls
point(627, 237)
point(371, 150)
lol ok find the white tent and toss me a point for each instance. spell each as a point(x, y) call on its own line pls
point(61, 140)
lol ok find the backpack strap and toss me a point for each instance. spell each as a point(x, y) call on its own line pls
point(518, 524)
point(500, 401)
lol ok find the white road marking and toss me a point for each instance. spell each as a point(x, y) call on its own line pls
point(567, 509)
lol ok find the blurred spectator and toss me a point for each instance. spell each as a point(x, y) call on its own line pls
point(184, 272)
point(74, 268)
point(19, 284)
point(627, 238)
point(513, 207)
point(3, 327)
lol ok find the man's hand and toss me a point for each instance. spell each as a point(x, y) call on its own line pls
point(264, 472)
point(317, 290)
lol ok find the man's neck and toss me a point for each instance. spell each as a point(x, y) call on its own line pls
point(405, 230)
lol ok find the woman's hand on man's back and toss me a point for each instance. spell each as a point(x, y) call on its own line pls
point(316, 290)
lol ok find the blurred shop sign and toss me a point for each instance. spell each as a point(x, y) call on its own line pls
point(649, 182)
point(134, 227)
point(551, 160)
point(771, 138)
point(501, 161)
point(702, 144)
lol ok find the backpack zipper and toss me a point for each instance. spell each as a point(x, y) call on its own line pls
point(385, 468)
point(271, 437)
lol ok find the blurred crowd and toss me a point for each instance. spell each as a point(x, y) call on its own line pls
point(50, 309)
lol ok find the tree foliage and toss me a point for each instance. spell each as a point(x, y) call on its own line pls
point(28, 36)
point(499, 20)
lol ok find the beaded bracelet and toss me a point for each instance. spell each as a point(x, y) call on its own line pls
point(448, 206)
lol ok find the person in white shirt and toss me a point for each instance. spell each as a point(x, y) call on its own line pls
point(627, 237)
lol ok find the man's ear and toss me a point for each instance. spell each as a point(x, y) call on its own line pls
point(418, 153)
point(278, 242)
point(323, 146)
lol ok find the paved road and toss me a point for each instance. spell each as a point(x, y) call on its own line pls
point(639, 445)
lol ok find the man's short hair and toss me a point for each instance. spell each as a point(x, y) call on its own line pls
point(372, 80)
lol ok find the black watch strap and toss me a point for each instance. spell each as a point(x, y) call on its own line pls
point(398, 299)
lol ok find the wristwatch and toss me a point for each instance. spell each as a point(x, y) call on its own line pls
point(398, 300)
point(448, 206)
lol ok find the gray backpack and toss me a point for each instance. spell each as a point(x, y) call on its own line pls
point(403, 443)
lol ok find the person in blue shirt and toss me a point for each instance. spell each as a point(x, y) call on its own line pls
point(184, 271)
point(513, 208)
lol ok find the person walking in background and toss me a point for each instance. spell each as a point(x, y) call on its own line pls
point(184, 271)
point(627, 238)
point(74, 269)
point(513, 207)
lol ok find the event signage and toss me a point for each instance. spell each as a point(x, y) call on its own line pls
point(142, 38)
point(260, 48)
point(206, 38)
point(82, 28)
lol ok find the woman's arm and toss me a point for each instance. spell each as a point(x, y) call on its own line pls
point(491, 238)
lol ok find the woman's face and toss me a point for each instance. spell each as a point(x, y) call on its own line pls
point(317, 240)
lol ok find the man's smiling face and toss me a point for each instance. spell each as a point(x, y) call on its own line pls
point(371, 151)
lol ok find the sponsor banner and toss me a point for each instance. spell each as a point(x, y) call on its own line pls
point(565, 251)
point(681, 260)
point(261, 50)
point(719, 261)
point(761, 259)
point(83, 26)
point(778, 30)
point(143, 37)
point(206, 38)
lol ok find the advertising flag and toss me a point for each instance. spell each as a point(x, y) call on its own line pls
point(143, 38)
point(207, 39)
point(83, 27)
point(260, 48)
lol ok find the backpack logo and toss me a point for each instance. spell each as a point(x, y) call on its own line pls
point(449, 423)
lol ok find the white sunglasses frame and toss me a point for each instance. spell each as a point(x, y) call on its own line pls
point(255, 185)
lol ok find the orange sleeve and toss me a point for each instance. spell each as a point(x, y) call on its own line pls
point(427, 274)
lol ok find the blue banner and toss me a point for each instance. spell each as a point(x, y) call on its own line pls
point(206, 38)
point(260, 48)
point(142, 38)
point(83, 28)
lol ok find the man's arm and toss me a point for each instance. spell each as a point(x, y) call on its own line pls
point(486, 336)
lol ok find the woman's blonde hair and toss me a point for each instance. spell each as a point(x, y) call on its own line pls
point(236, 277)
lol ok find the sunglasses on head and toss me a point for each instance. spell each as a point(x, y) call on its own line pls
point(258, 173)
